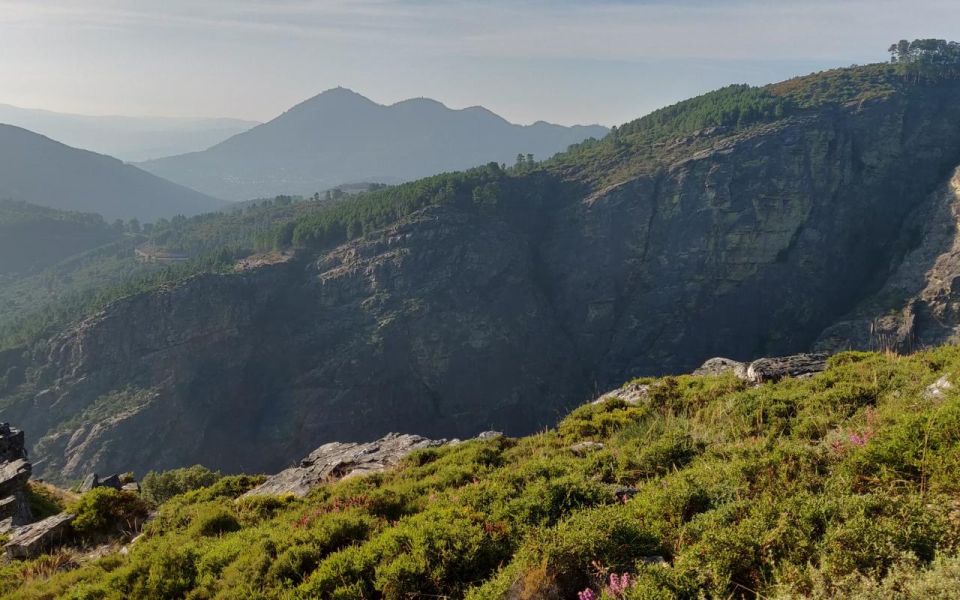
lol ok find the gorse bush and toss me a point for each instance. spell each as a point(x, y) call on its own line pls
point(840, 485)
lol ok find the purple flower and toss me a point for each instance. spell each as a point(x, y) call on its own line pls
point(619, 584)
point(857, 440)
point(587, 594)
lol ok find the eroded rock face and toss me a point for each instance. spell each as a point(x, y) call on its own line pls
point(15, 472)
point(919, 303)
point(337, 460)
point(459, 319)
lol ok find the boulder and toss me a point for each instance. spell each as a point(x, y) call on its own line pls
point(796, 365)
point(32, 540)
point(113, 481)
point(720, 366)
point(584, 448)
point(338, 460)
point(631, 393)
point(93, 480)
point(938, 389)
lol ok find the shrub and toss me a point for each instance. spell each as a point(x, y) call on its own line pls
point(253, 509)
point(157, 488)
point(214, 520)
point(104, 511)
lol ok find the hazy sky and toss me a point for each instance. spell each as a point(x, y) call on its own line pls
point(569, 62)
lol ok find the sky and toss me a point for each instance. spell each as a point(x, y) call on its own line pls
point(597, 61)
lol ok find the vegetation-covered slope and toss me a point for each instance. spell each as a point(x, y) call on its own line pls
point(32, 237)
point(42, 301)
point(38, 170)
point(839, 485)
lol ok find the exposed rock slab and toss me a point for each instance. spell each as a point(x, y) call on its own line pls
point(631, 393)
point(775, 369)
point(338, 460)
point(31, 540)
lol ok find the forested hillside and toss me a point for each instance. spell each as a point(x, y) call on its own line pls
point(72, 276)
point(41, 171)
point(32, 237)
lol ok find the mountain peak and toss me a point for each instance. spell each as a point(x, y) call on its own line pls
point(340, 136)
point(333, 98)
point(340, 91)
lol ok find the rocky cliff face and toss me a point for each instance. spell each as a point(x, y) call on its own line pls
point(14, 475)
point(919, 303)
point(454, 321)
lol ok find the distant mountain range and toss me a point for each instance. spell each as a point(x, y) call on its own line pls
point(127, 138)
point(341, 137)
point(36, 169)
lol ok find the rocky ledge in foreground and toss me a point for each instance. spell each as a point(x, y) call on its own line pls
point(767, 369)
point(338, 460)
point(759, 371)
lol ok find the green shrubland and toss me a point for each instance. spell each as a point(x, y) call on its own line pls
point(839, 485)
